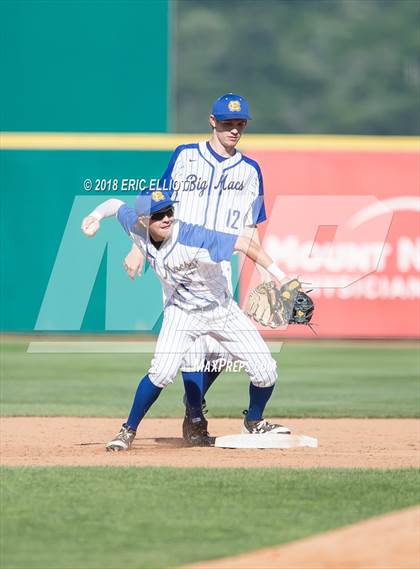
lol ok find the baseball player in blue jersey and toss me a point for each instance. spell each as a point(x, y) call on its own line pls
point(187, 259)
point(221, 189)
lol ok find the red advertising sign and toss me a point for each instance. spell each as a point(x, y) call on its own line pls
point(346, 222)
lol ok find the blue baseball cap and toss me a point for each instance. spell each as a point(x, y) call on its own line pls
point(149, 201)
point(230, 106)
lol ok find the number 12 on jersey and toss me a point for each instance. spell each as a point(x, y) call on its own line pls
point(233, 218)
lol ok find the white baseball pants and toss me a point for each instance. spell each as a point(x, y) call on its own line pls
point(228, 325)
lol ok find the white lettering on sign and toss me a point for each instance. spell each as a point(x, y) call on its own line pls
point(408, 254)
point(294, 256)
point(371, 287)
point(319, 234)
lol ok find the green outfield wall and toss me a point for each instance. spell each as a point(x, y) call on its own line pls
point(84, 66)
point(75, 67)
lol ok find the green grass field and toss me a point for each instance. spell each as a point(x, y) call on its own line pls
point(317, 379)
point(94, 518)
point(91, 518)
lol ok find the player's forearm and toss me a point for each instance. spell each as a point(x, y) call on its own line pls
point(251, 231)
point(256, 253)
point(134, 261)
point(108, 208)
point(136, 251)
point(253, 250)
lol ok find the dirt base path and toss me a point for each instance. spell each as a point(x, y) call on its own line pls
point(386, 542)
point(75, 441)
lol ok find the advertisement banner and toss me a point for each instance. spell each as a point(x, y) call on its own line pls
point(347, 223)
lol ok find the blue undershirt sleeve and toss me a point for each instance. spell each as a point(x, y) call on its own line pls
point(165, 181)
point(258, 207)
point(127, 216)
point(219, 245)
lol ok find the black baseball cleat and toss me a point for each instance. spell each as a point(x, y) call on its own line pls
point(194, 432)
point(187, 422)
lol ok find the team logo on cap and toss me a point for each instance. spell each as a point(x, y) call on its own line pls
point(157, 196)
point(234, 106)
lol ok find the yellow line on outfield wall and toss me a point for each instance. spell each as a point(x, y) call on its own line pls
point(147, 141)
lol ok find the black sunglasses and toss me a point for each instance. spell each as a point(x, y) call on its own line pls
point(159, 215)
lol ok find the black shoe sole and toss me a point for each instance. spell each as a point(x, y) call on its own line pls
point(200, 441)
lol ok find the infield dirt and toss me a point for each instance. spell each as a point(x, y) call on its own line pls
point(390, 541)
point(80, 441)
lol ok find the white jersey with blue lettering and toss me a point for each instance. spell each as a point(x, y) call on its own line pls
point(220, 193)
point(224, 194)
point(199, 303)
point(188, 263)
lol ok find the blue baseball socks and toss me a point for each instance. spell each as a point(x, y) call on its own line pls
point(209, 378)
point(196, 384)
point(194, 392)
point(145, 396)
point(258, 397)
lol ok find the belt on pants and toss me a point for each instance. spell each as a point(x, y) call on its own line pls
point(210, 306)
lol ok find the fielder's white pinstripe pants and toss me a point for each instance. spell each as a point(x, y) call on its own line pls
point(226, 324)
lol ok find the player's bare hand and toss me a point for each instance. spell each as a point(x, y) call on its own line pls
point(90, 225)
point(133, 263)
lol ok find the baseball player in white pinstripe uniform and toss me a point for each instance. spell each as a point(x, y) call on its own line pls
point(221, 189)
point(187, 259)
